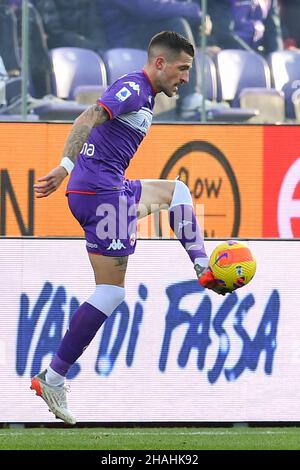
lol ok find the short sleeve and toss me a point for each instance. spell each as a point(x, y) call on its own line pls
point(123, 96)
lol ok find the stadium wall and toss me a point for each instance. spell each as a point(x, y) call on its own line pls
point(245, 177)
point(172, 352)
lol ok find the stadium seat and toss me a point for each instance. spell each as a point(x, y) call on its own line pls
point(210, 84)
point(244, 80)
point(10, 88)
point(120, 61)
point(238, 69)
point(233, 115)
point(270, 103)
point(74, 67)
point(18, 117)
point(67, 111)
point(88, 94)
point(285, 67)
point(218, 111)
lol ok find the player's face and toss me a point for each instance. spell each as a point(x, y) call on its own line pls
point(174, 73)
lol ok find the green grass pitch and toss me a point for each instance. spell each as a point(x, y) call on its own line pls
point(156, 438)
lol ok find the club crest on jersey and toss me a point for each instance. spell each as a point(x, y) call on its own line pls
point(123, 94)
point(132, 239)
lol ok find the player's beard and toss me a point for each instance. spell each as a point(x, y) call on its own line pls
point(171, 92)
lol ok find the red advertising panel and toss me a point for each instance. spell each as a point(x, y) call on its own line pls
point(222, 166)
point(281, 206)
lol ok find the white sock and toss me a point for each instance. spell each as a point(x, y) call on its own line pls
point(203, 262)
point(181, 195)
point(53, 378)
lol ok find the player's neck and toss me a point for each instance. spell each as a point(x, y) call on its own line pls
point(151, 77)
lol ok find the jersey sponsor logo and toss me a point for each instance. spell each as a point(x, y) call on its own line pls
point(138, 120)
point(116, 245)
point(88, 149)
point(134, 86)
point(91, 245)
point(123, 94)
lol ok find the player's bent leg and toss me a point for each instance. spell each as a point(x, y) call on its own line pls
point(175, 195)
point(156, 195)
point(109, 293)
point(89, 317)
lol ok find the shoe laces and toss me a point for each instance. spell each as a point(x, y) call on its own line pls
point(60, 395)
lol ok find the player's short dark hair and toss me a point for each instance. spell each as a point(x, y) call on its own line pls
point(172, 41)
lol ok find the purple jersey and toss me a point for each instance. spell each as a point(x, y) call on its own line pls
point(105, 156)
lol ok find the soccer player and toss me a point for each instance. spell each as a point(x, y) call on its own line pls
point(98, 150)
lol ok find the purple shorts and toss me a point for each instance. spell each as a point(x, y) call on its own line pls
point(109, 219)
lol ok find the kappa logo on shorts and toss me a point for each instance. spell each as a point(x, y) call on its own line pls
point(123, 94)
point(116, 245)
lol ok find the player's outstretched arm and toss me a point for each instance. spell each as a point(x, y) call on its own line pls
point(90, 118)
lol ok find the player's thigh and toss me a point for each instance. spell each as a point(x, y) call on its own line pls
point(156, 195)
point(109, 269)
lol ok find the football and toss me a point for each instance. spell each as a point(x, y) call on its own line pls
point(232, 264)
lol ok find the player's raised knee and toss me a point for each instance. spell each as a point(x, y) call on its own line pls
point(107, 298)
point(181, 194)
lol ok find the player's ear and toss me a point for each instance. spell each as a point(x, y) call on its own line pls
point(160, 62)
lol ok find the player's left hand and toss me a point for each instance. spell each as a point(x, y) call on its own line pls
point(50, 183)
point(208, 280)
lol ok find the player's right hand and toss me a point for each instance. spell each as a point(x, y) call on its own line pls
point(208, 280)
point(50, 183)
